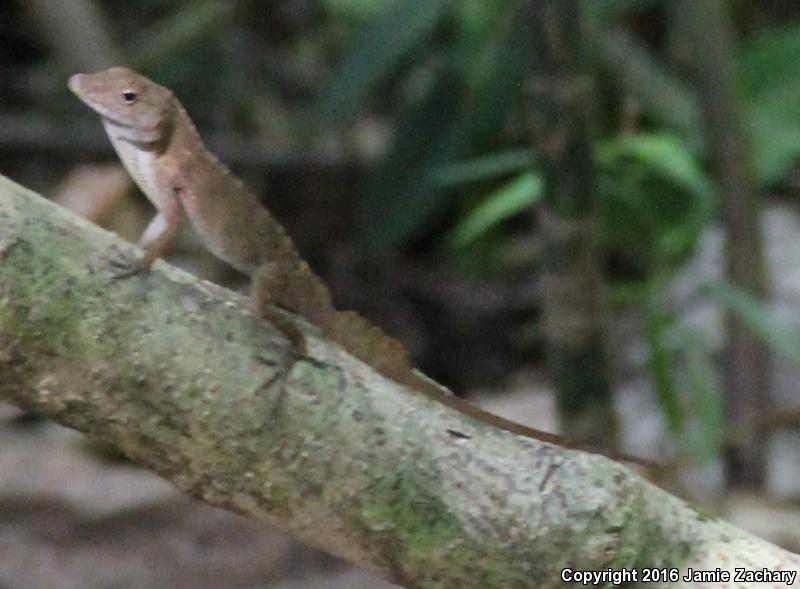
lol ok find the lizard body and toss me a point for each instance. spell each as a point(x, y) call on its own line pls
point(164, 154)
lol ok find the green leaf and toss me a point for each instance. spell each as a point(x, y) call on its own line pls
point(655, 194)
point(400, 196)
point(483, 168)
point(769, 60)
point(756, 314)
point(496, 77)
point(658, 321)
point(455, 117)
point(507, 201)
point(406, 25)
point(707, 402)
point(667, 155)
point(774, 133)
point(773, 121)
point(768, 80)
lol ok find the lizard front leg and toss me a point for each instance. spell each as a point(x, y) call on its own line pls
point(157, 239)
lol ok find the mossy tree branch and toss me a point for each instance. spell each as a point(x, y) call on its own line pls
point(178, 374)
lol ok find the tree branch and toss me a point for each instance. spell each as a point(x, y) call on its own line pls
point(178, 374)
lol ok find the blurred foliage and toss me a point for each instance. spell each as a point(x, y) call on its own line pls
point(396, 32)
point(451, 144)
point(185, 28)
point(507, 200)
point(603, 13)
point(768, 76)
point(780, 336)
point(355, 10)
point(464, 88)
point(653, 191)
point(706, 404)
point(656, 194)
point(473, 80)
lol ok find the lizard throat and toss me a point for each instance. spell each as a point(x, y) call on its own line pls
point(155, 139)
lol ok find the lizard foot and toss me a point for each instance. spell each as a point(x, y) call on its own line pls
point(125, 268)
point(289, 330)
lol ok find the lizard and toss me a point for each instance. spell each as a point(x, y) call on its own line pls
point(163, 152)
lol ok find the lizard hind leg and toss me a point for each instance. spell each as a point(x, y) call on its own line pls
point(370, 344)
point(296, 288)
point(274, 283)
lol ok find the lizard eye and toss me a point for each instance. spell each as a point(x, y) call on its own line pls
point(130, 96)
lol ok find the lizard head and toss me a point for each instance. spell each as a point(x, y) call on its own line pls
point(136, 109)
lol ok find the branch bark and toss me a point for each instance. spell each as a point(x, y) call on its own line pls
point(178, 374)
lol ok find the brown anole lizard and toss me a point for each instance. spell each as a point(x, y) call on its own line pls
point(164, 154)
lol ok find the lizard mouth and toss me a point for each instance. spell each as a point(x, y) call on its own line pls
point(154, 129)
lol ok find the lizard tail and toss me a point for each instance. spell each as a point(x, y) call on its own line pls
point(369, 343)
point(303, 292)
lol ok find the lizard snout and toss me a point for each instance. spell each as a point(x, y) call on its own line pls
point(75, 82)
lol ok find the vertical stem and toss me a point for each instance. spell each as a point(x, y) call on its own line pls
point(574, 300)
point(708, 32)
